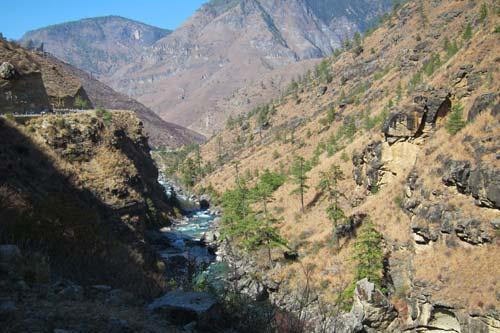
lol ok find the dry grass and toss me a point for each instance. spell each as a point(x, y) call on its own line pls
point(467, 276)
point(311, 231)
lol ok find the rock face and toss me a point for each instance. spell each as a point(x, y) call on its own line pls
point(105, 213)
point(482, 183)
point(419, 118)
point(184, 307)
point(481, 103)
point(371, 311)
point(258, 38)
point(380, 162)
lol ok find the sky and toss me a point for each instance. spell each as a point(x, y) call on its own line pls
point(20, 16)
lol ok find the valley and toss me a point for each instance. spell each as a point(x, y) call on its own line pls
point(347, 178)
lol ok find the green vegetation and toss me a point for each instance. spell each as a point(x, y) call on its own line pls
point(264, 189)
point(322, 72)
point(298, 173)
point(104, 114)
point(467, 34)
point(483, 13)
point(252, 230)
point(415, 80)
point(432, 64)
point(328, 184)
point(329, 118)
point(451, 48)
point(369, 257)
point(455, 121)
point(81, 103)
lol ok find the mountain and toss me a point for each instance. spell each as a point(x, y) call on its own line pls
point(39, 82)
point(98, 45)
point(397, 162)
point(209, 67)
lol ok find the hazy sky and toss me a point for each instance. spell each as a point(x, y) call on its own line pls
point(19, 16)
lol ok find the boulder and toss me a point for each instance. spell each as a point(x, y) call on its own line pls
point(458, 174)
point(403, 124)
point(182, 307)
point(7, 71)
point(484, 184)
point(321, 90)
point(348, 229)
point(371, 311)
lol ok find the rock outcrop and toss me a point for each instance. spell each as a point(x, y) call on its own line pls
point(371, 311)
point(419, 118)
point(483, 183)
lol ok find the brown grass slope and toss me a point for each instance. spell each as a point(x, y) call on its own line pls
point(366, 88)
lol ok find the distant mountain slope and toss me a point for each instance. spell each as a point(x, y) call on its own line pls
point(228, 45)
point(159, 131)
point(198, 75)
point(97, 45)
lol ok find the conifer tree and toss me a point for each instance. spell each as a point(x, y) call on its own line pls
point(328, 184)
point(368, 253)
point(467, 35)
point(298, 172)
point(455, 121)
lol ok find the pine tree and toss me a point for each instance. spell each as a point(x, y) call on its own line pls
point(467, 35)
point(483, 13)
point(298, 172)
point(264, 189)
point(369, 254)
point(328, 184)
point(455, 121)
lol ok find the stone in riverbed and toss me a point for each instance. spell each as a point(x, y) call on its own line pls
point(182, 307)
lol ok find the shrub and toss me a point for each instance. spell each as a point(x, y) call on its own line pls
point(81, 103)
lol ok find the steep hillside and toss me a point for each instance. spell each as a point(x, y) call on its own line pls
point(98, 45)
point(209, 68)
point(34, 82)
point(401, 167)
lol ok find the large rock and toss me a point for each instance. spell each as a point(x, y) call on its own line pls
point(7, 71)
point(414, 120)
point(371, 311)
point(184, 307)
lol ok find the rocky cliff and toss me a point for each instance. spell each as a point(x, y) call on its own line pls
point(408, 128)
